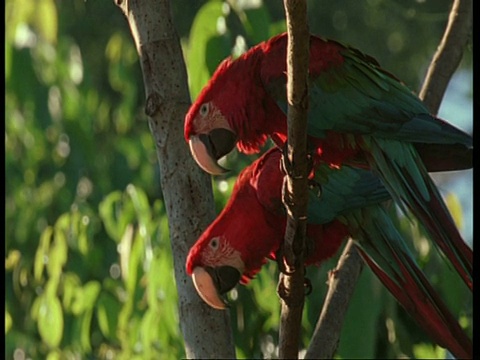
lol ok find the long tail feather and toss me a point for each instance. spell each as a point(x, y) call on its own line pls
point(383, 249)
point(411, 187)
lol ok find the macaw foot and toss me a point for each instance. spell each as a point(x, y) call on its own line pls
point(280, 259)
point(287, 166)
point(283, 269)
point(289, 201)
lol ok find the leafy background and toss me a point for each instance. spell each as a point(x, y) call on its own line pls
point(88, 268)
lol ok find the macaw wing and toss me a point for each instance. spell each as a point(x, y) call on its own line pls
point(356, 96)
point(407, 180)
point(334, 192)
point(384, 250)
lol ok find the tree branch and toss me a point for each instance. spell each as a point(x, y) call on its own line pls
point(448, 55)
point(446, 60)
point(341, 283)
point(185, 186)
point(291, 287)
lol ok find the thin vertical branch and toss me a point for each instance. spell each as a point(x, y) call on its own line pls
point(448, 55)
point(342, 281)
point(291, 287)
point(187, 190)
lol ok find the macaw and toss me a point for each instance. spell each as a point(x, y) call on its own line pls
point(358, 115)
point(343, 202)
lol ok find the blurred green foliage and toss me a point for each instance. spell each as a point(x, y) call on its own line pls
point(88, 268)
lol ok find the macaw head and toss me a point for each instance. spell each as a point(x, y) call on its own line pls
point(250, 230)
point(207, 129)
point(232, 109)
point(239, 241)
point(229, 252)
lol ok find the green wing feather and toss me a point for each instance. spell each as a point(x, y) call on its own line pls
point(358, 97)
point(386, 253)
point(334, 192)
point(407, 180)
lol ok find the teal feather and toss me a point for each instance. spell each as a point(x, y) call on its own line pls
point(384, 250)
point(336, 191)
point(356, 97)
point(407, 180)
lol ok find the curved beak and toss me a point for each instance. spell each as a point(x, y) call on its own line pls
point(212, 283)
point(207, 149)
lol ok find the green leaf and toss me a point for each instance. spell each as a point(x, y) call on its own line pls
point(8, 60)
point(257, 24)
point(107, 311)
point(141, 205)
point(50, 320)
point(106, 210)
point(54, 355)
point(455, 208)
point(42, 253)
point(12, 260)
point(209, 43)
point(8, 321)
point(263, 288)
point(71, 283)
point(83, 234)
point(46, 20)
point(116, 215)
point(86, 320)
point(58, 253)
point(150, 334)
point(278, 28)
point(134, 263)
point(429, 351)
point(85, 297)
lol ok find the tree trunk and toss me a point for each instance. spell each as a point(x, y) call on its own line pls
point(186, 189)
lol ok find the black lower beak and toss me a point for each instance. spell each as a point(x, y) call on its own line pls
point(218, 142)
point(224, 277)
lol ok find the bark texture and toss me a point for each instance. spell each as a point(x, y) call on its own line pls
point(291, 285)
point(449, 54)
point(186, 188)
point(341, 286)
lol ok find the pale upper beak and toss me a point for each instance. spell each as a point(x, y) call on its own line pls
point(211, 283)
point(207, 149)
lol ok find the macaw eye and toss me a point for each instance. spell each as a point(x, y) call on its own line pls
point(214, 244)
point(204, 109)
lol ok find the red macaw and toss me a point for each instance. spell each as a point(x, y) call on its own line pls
point(359, 115)
point(343, 202)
